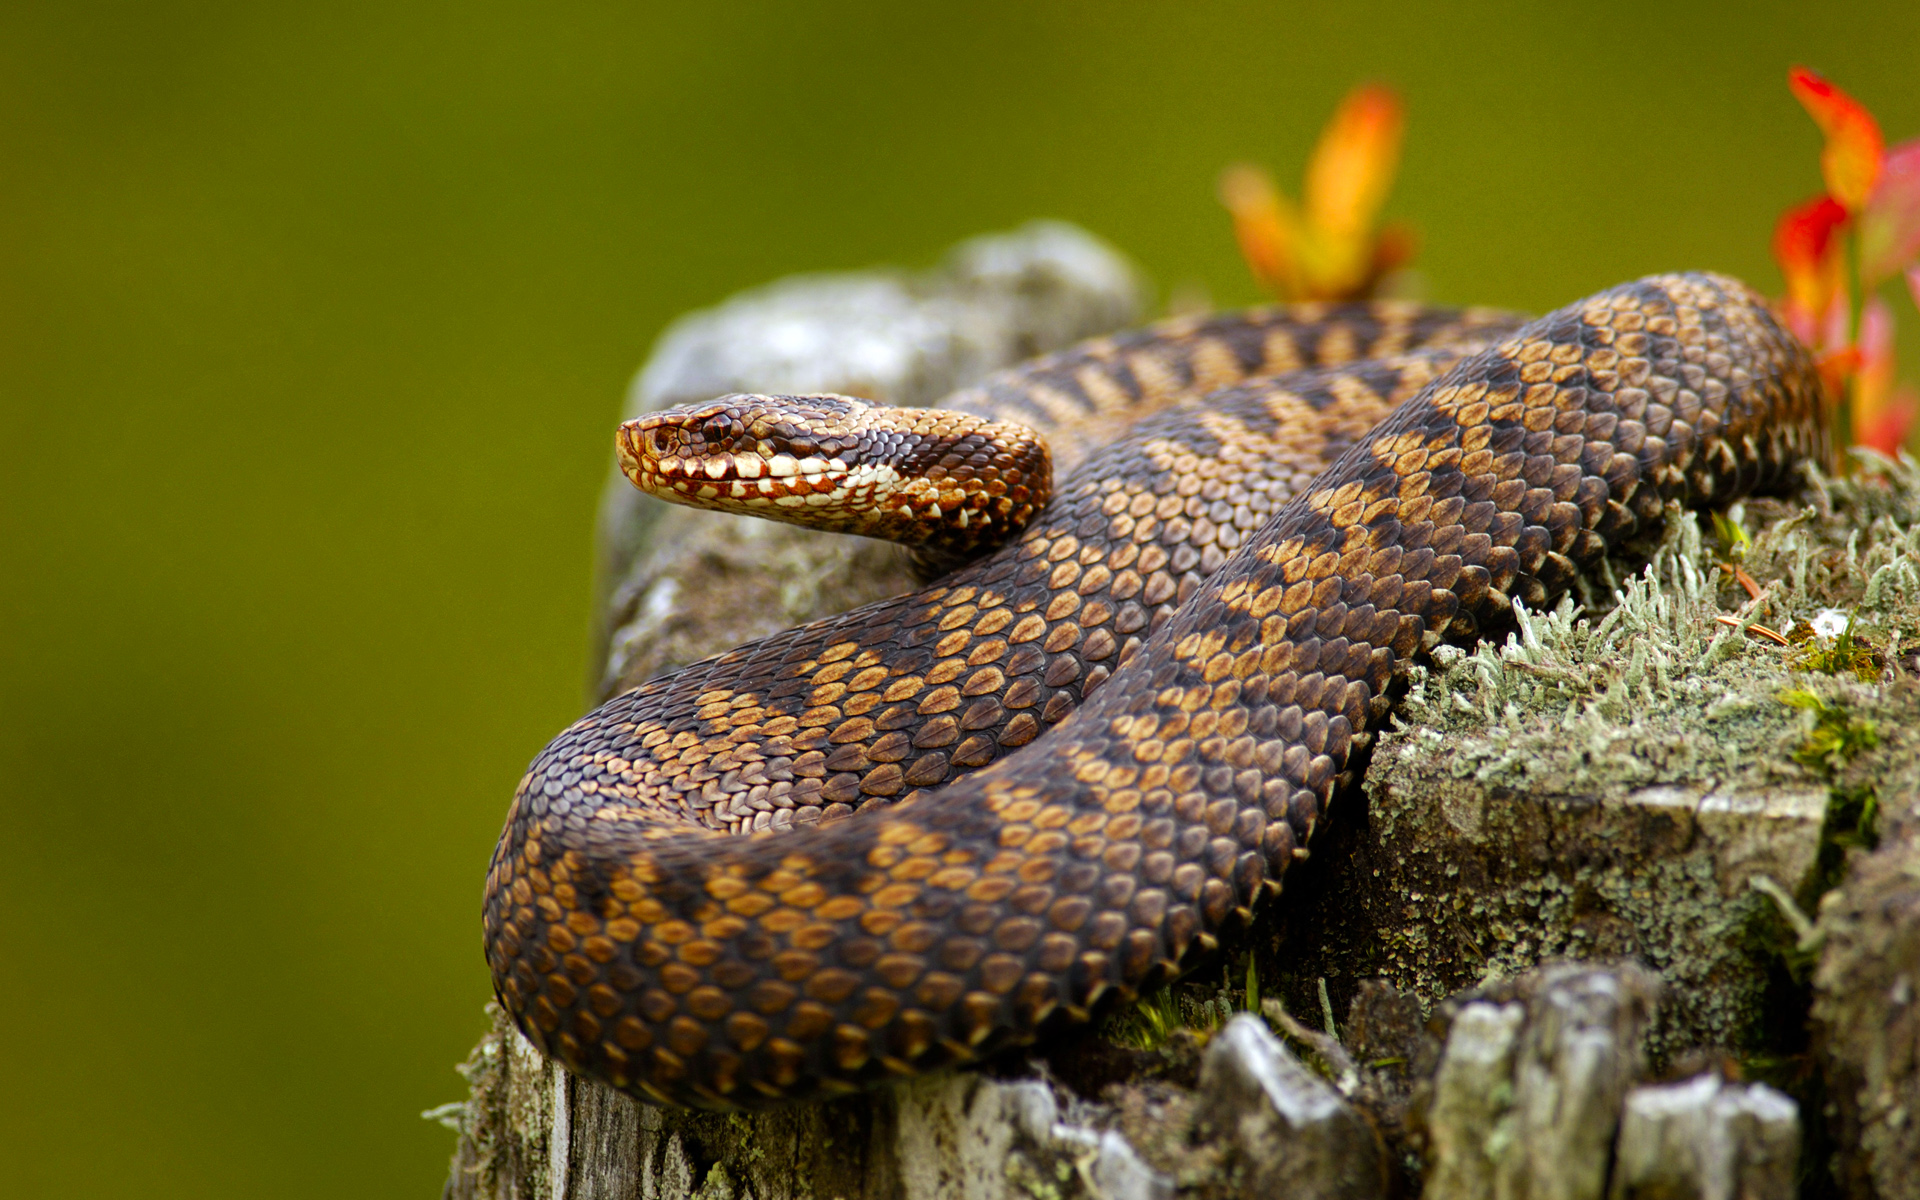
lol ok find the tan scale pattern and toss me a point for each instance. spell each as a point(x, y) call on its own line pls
point(1084, 397)
point(1219, 618)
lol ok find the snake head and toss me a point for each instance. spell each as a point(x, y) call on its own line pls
point(749, 439)
point(949, 484)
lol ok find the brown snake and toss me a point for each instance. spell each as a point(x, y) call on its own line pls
point(1209, 612)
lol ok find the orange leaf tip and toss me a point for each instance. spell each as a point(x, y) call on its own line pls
point(1850, 161)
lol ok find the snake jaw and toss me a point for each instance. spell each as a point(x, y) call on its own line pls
point(944, 483)
point(677, 456)
point(778, 443)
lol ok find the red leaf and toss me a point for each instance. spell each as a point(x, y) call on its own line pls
point(1886, 430)
point(1353, 164)
point(1850, 161)
point(1890, 226)
point(1808, 253)
point(1266, 227)
point(1881, 414)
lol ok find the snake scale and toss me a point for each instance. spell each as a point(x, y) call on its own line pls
point(846, 853)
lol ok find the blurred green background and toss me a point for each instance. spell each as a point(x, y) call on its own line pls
point(314, 321)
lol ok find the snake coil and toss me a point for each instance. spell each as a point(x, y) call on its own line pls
point(1203, 621)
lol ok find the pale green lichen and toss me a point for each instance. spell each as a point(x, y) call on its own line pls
point(1533, 752)
point(1584, 701)
point(1573, 695)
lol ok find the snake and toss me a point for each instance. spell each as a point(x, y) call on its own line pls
point(1172, 578)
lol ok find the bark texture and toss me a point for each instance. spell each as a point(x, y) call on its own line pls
point(1867, 989)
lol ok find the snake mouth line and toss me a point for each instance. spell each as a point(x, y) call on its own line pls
point(923, 477)
point(654, 457)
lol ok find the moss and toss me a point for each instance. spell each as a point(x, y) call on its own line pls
point(1849, 653)
point(1148, 1022)
point(1837, 735)
point(718, 1185)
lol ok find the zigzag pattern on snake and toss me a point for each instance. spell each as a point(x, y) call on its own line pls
point(1203, 622)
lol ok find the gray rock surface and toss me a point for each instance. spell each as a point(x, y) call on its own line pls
point(530, 1130)
point(1472, 1094)
point(1528, 1092)
point(1706, 1139)
point(1286, 1131)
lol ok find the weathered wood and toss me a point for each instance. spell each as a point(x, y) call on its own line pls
point(1867, 988)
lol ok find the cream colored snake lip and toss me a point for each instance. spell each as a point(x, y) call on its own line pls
point(1053, 777)
point(951, 485)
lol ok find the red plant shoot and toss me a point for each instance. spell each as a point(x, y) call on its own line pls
point(1838, 249)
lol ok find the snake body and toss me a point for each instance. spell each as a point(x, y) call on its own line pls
point(1203, 620)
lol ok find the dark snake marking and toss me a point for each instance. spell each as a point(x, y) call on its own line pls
point(1210, 620)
